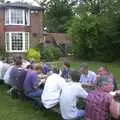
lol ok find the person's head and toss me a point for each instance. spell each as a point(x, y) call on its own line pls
point(38, 68)
point(66, 64)
point(18, 62)
point(56, 70)
point(30, 67)
point(75, 75)
point(84, 68)
point(103, 70)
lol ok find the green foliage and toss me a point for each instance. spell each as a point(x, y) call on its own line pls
point(3, 53)
point(33, 54)
point(51, 53)
point(57, 15)
point(2, 1)
point(39, 47)
point(96, 34)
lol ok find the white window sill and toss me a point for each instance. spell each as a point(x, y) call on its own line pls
point(16, 25)
point(17, 51)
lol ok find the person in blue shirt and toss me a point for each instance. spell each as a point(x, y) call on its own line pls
point(46, 68)
point(66, 71)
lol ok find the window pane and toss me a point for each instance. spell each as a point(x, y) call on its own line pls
point(16, 16)
point(26, 41)
point(7, 41)
point(7, 16)
point(17, 41)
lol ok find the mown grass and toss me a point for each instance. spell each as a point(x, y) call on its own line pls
point(15, 109)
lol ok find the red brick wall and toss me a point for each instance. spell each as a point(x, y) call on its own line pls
point(2, 16)
point(36, 28)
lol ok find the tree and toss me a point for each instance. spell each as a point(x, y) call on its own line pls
point(41, 3)
point(95, 33)
point(2, 1)
point(57, 15)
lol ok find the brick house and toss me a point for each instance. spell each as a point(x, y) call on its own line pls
point(21, 26)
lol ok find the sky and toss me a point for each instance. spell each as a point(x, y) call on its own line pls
point(30, 1)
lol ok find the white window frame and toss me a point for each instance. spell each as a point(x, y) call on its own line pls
point(23, 42)
point(23, 19)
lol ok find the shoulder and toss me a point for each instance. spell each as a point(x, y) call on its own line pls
point(76, 85)
point(91, 73)
point(31, 73)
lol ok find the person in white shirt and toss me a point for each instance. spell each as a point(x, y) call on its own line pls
point(70, 94)
point(1, 65)
point(52, 89)
point(7, 74)
point(87, 77)
point(25, 63)
point(6, 65)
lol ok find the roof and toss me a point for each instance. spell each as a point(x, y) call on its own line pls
point(59, 38)
point(20, 5)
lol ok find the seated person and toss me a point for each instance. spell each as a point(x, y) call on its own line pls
point(109, 79)
point(66, 71)
point(70, 94)
point(31, 82)
point(97, 105)
point(1, 65)
point(6, 65)
point(46, 68)
point(17, 75)
point(51, 93)
point(115, 105)
point(7, 75)
point(87, 78)
point(75, 75)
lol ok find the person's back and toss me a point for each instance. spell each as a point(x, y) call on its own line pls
point(7, 75)
point(97, 107)
point(29, 81)
point(68, 100)
point(51, 92)
point(17, 77)
point(1, 65)
point(4, 69)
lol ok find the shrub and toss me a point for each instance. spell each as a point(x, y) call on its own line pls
point(3, 53)
point(33, 54)
point(39, 47)
point(51, 53)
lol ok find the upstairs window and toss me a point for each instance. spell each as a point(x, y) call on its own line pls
point(17, 17)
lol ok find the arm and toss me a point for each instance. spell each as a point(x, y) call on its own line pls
point(81, 92)
point(92, 86)
point(35, 81)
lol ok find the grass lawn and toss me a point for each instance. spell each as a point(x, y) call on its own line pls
point(15, 109)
